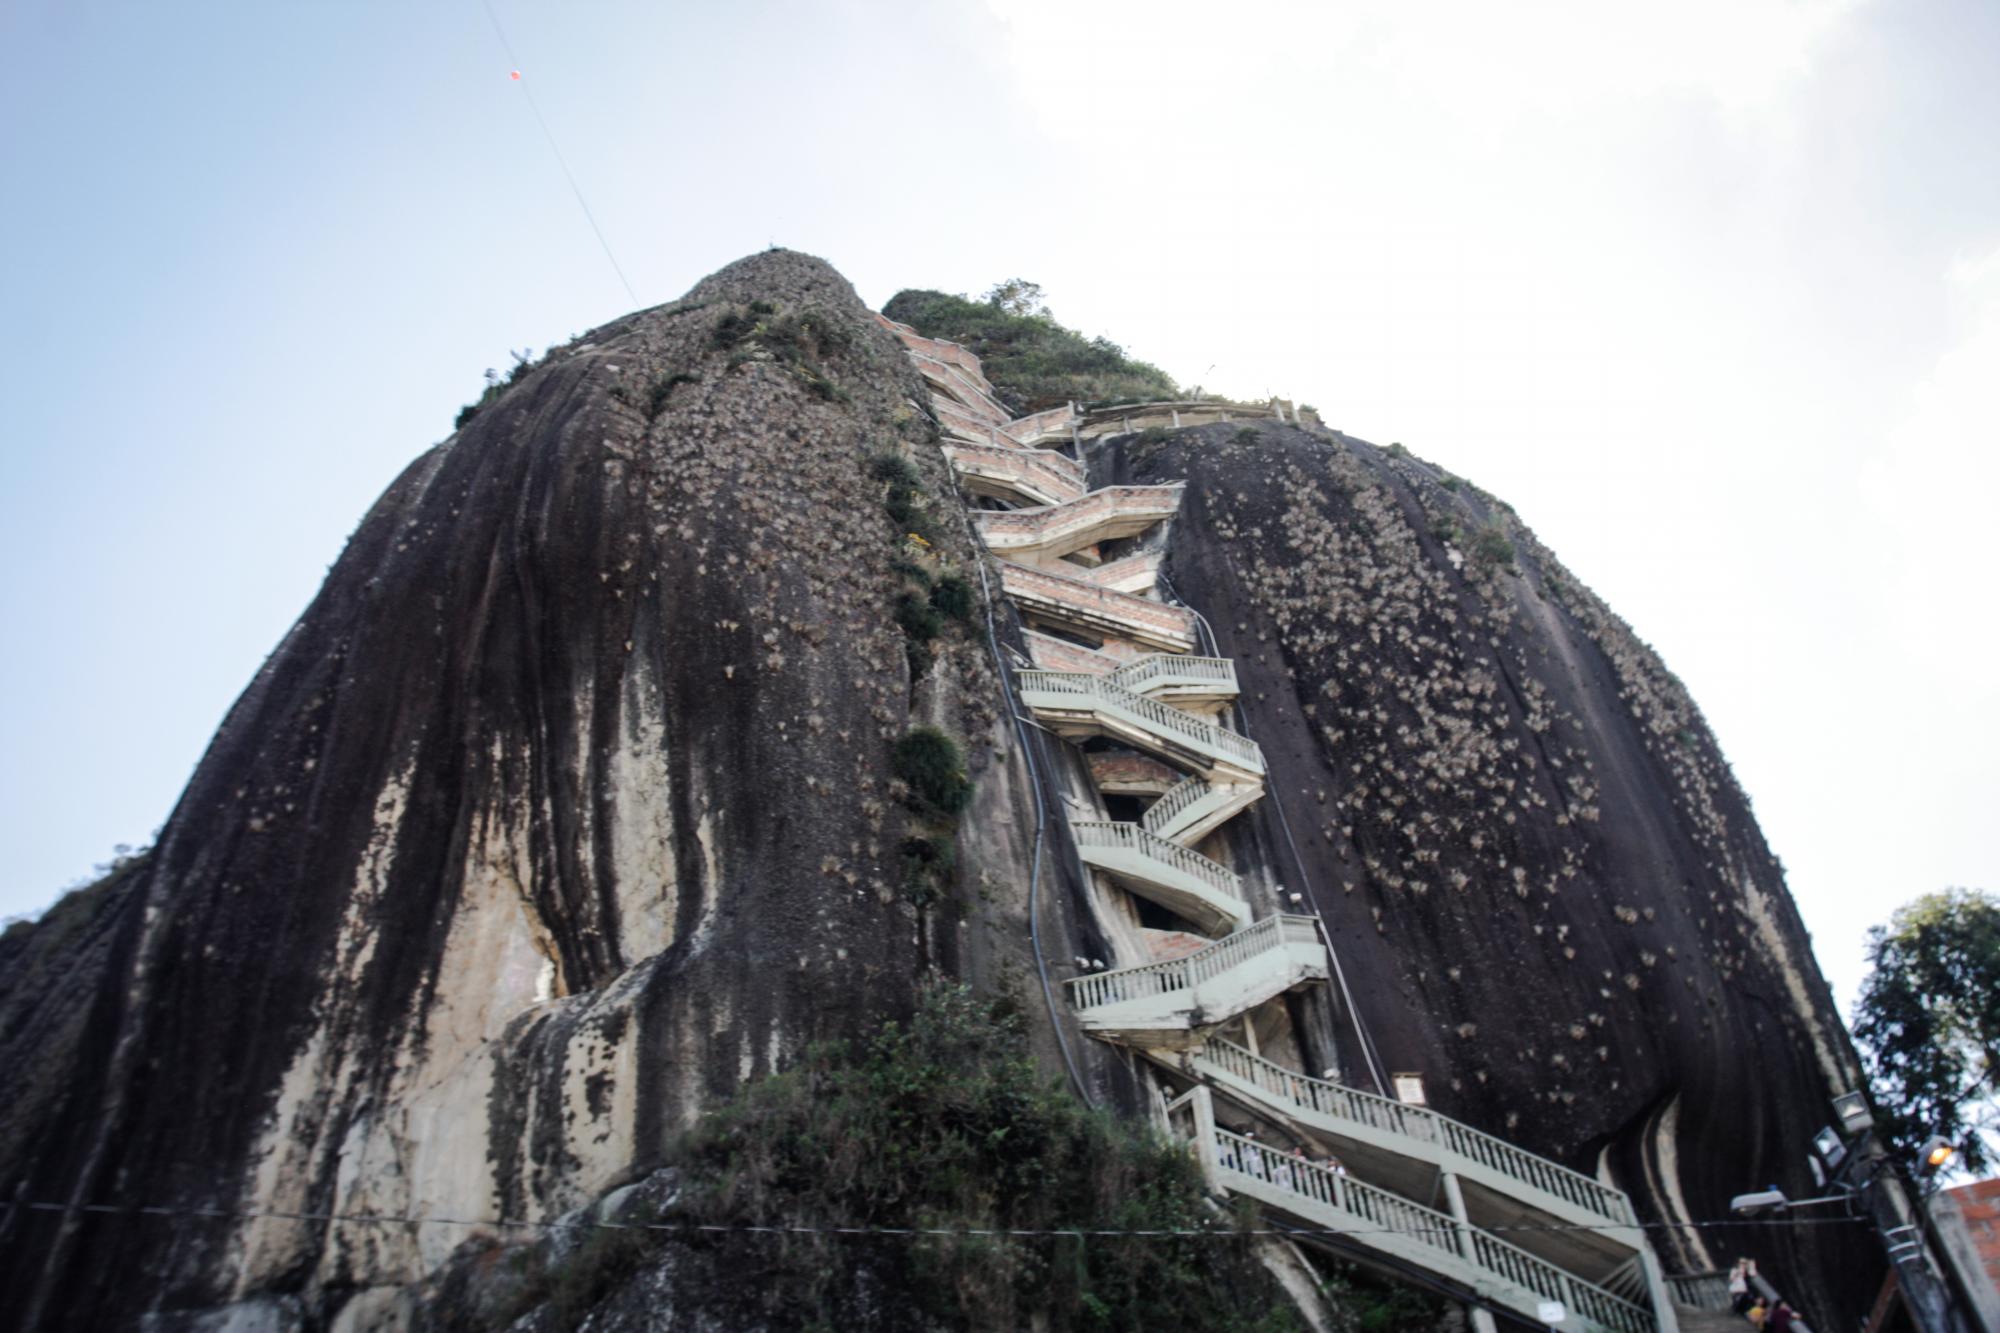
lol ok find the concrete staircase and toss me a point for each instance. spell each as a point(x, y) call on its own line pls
point(1175, 1002)
point(1115, 663)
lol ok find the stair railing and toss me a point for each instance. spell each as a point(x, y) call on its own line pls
point(1339, 1102)
point(1124, 837)
point(1151, 980)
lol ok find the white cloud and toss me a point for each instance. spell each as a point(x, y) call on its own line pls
point(1927, 488)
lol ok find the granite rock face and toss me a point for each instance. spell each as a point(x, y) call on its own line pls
point(564, 809)
point(1546, 889)
point(567, 807)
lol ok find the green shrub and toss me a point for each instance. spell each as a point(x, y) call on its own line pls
point(1492, 549)
point(928, 860)
point(465, 416)
point(595, 1269)
point(1449, 482)
point(946, 1122)
point(794, 339)
point(901, 504)
point(953, 598)
point(1246, 435)
point(917, 618)
point(1397, 451)
point(1033, 361)
point(662, 389)
point(889, 467)
point(931, 766)
point(900, 499)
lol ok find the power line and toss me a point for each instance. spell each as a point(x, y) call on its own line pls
point(528, 91)
point(752, 1228)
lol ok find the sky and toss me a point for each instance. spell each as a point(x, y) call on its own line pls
point(1710, 292)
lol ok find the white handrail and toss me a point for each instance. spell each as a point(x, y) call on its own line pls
point(968, 426)
point(1047, 520)
point(1173, 802)
point(1440, 1231)
point(1114, 572)
point(1149, 980)
point(1139, 841)
point(977, 399)
point(1100, 692)
point(1141, 671)
point(1700, 1291)
point(1339, 1102)
point(1081, 594)
point(1036, 424)
point(1020, 465)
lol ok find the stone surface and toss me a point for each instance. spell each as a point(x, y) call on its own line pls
point(564, 809)
point(1545, 888)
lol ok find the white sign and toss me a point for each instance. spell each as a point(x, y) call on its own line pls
point(1551, 1312)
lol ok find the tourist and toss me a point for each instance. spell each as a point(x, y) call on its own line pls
point(1739, 1284)
point(1253, 1156)
point(1295, 1168)
point(1781, 1318)
point(1757, 1314)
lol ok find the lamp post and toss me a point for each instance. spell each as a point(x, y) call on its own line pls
point(1861, 1172)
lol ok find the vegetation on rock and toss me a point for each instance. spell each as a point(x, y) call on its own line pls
point(942, 1123)
point(1033, 361)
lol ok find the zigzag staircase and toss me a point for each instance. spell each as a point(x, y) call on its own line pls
point(1201, 959)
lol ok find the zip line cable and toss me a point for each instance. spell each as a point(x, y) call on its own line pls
point(528, 91)
point(755, 1228)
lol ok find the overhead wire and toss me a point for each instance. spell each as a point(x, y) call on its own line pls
point(766, 1228)
point(528, 91)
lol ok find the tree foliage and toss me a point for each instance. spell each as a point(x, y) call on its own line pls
point(1033, 361)
point(944, 1122)
point(1930, 1020)
point(1018, 296)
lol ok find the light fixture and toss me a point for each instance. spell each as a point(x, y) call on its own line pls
point(1937, 1151)
point(1852, 1108)
point(1763, 1201)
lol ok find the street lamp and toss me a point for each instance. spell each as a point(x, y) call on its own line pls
point(1854, 1165)
point(1773, 1200)
point(1937, 1151)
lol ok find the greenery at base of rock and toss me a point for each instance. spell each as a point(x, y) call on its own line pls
point(943, 1122)
point(1929, 1018)
point(1033, 361)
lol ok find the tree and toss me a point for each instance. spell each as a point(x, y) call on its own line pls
point(1018, 296)
point(1930, 1020)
